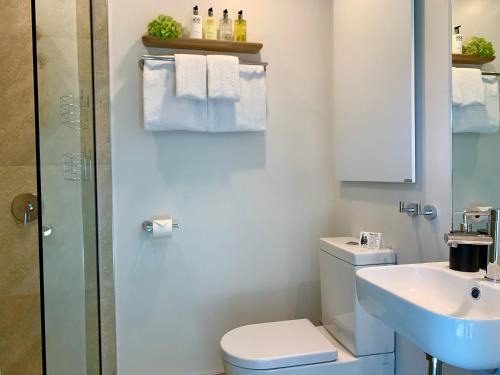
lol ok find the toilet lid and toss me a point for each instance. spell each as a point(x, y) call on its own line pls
point(274, 345)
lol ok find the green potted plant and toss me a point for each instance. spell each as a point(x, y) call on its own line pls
point(165, 27)
point(478, 46)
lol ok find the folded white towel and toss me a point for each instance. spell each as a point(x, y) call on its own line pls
point(250, 113)
point(223, 77)
point(162, 109)
point(457, 94)
point(480, 119)
point(471, 86)
point(191, 76)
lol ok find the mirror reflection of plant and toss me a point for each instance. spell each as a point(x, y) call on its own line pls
point(478, 46)
point(165, 27)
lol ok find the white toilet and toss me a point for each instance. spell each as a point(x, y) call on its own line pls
point(350, 343)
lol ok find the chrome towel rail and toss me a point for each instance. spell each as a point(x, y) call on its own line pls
point(171, 58)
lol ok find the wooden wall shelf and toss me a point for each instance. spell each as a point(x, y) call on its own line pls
point(470, 59)
point(202, 44)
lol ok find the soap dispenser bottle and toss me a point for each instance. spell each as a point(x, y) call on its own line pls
point(196, 24)
point(456, 41)
point(225, 27)
point(211, 26)
point(240, 28)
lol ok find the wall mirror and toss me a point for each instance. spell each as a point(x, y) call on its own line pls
point(475, 79)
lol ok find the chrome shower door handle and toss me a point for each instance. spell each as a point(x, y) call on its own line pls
point(46, 230)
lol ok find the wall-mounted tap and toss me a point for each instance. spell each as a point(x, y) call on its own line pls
point(467, 237)
point(415, 209)
point(25, 208)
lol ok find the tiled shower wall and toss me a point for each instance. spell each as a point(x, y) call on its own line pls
point(20, 336)
point(20, 332)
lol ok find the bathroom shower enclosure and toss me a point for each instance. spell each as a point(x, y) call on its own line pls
point(49, 285)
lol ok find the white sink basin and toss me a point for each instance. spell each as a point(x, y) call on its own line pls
point(432, 306)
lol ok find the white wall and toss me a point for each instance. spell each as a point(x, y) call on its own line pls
point(475, 181)
point(374, 207)
point(251, 206)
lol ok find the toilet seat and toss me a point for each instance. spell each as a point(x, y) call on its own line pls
point(277, 345)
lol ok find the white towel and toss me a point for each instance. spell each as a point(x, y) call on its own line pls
point(471, 86)
point(223, 77)
point(457, 94)
point(480, 119)
point(162, 109)
point(191, 76)
point(250, 113)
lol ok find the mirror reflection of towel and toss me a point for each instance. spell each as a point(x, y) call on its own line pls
point(469, 83)
point(480, 118)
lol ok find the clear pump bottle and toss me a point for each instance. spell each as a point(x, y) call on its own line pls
point(225, 27)
point(240, 28)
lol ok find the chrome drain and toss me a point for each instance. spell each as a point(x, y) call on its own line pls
point(475, 293)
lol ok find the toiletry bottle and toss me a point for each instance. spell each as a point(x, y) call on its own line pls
point(240, 28)
point(211, 26)
point(196, 25)
point(456, 41)
point(225, 27)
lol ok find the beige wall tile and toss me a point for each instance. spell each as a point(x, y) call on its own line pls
point(20, 323)
point(17, 129)
point(20, 339)
point(16, 18)
point(108, 331)
point(20, 335)
point(19, 246)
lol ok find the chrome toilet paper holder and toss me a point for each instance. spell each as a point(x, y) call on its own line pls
point(148, 225)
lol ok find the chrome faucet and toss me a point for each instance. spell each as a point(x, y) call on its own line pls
point(492, 239)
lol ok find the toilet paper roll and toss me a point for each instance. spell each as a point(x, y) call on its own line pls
point(162, 228)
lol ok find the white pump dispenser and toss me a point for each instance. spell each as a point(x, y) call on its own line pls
point(456, 41)
point(196, 24)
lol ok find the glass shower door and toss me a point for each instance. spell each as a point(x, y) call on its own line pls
point(67, 182)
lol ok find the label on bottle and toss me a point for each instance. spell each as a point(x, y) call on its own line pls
point(196, 28)
point(456, 44)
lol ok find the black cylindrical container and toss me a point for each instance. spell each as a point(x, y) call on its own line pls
point(483, 252)
point(483, 256)
point(464, 258)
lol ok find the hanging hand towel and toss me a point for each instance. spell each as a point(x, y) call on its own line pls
point(223, 77)
point(480, 119)
point(191, 76)
point(162, 109)
point(457, 94)
point(471, 86)
point(247, 115)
